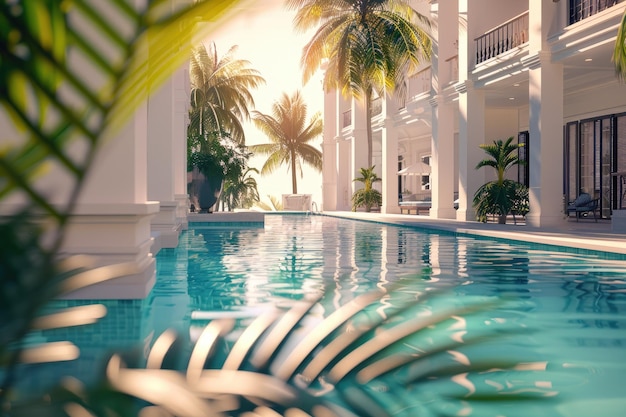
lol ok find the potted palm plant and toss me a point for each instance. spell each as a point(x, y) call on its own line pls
point(500, 196)
point(367, 196)
point(212, 159)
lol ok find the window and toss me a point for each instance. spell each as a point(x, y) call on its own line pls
point(594, 149)
point(426, 178)
point(522, 154)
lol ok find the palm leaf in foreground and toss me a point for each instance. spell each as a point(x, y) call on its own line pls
point(619, 50)
point(70, 76)
point(364, 359)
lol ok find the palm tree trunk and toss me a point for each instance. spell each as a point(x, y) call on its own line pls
point(368, 124)
point(294, 184)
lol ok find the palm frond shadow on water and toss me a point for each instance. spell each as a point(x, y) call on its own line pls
point(381, 354)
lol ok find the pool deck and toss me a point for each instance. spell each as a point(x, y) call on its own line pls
point(584, 234)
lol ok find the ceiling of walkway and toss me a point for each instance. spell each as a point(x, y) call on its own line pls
point(580, 72)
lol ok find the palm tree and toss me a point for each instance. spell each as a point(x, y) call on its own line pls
point(290, 137)
point(367, 196)
point(221, 99)
point(619, 54)
point(37, 36)
point(499, 196)
point(240, 192)
point(368, 45)
point(221, 96)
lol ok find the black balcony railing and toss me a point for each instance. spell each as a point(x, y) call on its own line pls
point(582, 9)
point(502, 39)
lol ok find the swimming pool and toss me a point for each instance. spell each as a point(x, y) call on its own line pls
point(575, 301)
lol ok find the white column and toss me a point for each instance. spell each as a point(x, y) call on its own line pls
point(329, 174)
point(471, 136)
point(471, 114)
point(389, 167)
point(329, 151)
point(112, 222)
point(442, 144)
point(344, 174)
point(166, 134)
point(442, 160)
point(545, 97)
point(181, 118)
point(113, 214)
point(343, 150)
point(358, 140)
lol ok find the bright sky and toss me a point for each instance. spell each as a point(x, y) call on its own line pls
point(265, 37)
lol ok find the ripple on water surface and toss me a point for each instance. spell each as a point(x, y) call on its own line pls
point(574, 303)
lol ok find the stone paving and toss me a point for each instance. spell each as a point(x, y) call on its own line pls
point(584, 234)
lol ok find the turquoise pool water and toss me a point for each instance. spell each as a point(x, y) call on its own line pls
point(575, 302)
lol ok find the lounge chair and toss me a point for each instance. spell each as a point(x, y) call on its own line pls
point(583, 205)
point(414, 203)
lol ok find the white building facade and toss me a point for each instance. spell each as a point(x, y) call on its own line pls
point(537, 70)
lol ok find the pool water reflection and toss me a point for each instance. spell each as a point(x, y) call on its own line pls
point(574, 302)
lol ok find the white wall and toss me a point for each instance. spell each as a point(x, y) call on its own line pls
point(501, 124)
point(499, 12)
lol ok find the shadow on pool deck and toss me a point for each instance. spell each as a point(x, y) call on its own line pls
point(584, 234)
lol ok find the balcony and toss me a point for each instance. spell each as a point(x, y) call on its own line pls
point(582, 9)
point(419, 83)
point(505, 37)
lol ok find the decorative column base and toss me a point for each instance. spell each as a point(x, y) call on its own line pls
point(543, 220)
point(165, 227)
point(618, 221)
point(182, 210)
point(113, 234)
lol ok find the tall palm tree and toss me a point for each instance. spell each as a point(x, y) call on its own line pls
point(619, 53)
point(221, 100)
point(290, 137)
point(369, 46)
point(221, 96)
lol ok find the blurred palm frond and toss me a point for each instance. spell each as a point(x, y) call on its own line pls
point(364, 359)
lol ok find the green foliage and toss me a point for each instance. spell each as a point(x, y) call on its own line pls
point(220, 101)
point(217, 157)
point(520, 204)
point(290, 137)
point(367, 196)
point(501, 196)
point(241, 192)
point(366, 46)
point(220, 92)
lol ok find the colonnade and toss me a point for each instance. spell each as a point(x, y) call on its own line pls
point(461, 120)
